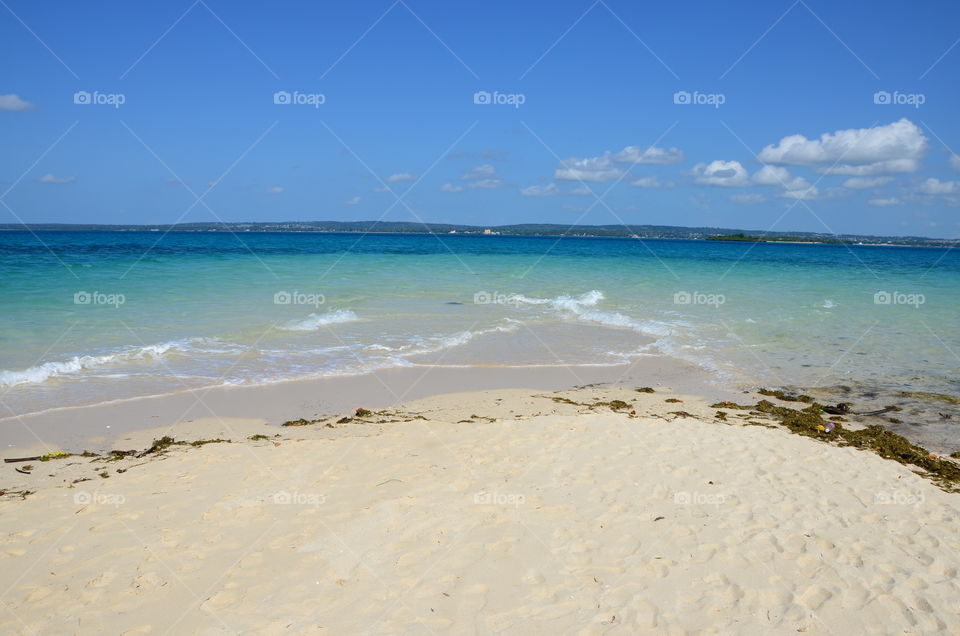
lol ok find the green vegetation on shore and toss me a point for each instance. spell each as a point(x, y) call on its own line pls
point(740, 236)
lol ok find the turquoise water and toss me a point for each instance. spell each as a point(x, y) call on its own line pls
point(89, 317)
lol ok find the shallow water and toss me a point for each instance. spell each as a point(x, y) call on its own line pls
point(95, 316)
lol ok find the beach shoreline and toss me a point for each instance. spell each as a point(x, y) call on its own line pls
point(97, 426)
point(602, 509)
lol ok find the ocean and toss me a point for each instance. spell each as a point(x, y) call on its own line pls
point(91, 317)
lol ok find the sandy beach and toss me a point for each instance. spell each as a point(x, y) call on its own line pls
point(502, 511)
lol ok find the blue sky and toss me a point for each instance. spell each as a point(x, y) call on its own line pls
point(783, 129)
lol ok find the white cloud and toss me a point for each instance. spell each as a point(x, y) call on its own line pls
point(381, 189)
point(635, 154)
point(605, 168)
point(807, 193)
point(721, 173)
point(955, 162)
point(275, 190)
point(450, 187)
point(594, 169)
point(49, 178)
point(353, 201)
point(779, 176)
point(484, 177)
point(13, 102)
point(865, 183)
point(884, 203)
point(936, 186)
point(895, 147)
point(549, 190)
point(892, 166)
point(652, 182)
point(748, 198)
point(581, 191)
point(400, 176)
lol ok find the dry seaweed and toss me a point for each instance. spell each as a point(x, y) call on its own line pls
point(645, 389)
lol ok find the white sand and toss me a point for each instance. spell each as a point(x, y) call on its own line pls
point(551, 519)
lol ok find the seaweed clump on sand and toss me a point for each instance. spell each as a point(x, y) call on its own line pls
point(876, 438)
point(786, 397)
point(645, 389)
point(165, 442)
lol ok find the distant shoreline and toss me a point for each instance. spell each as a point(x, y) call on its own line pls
point(515, 231)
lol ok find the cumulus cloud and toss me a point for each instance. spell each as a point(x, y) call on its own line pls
point(892, 148)
point(803, 194)
point(864, 183)
point(484, 177)
point(936, 186)
point(748, 198)
point(652, 182)
point(605, 168)
point(400, 176)
point(779, 176)
point(651, 155)
point(451, 187)
point(353, 201)
point(726, 174)
point(13, 103)
point(50, 179)
point(884, 203)
point(275, 190)
point(549, 190)
point(594, 169)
